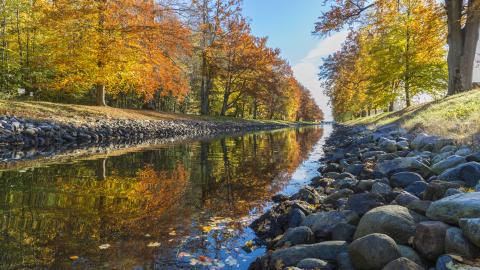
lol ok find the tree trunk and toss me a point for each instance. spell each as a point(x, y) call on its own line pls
point(204, 91)
point(462, 44)
point(100, 95)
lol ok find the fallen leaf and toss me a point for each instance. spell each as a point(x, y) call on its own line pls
point(206, 229)
point(184, 254)
point(73, 258)
point(104, 246)
point(172, 233)
point(153, 244)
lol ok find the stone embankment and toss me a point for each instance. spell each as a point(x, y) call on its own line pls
point(28, 133)
point(386, 199)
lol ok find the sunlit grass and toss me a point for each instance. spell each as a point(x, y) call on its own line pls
point(456, 117)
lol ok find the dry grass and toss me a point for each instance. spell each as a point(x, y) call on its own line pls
point(456, 117)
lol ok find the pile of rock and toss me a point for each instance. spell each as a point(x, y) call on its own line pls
point(386, 199)
point(16, 132)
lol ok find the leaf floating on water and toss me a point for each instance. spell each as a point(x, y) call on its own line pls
point(73, 258)
point(184, 254)
point(153, 244)
point(104, 246)
point(230, 261)
point(206, 229)
point(172, 233)
point(249, 246)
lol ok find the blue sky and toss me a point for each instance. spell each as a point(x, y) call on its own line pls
point(288, 25)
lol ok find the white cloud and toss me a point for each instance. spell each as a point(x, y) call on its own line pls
point(306, 71)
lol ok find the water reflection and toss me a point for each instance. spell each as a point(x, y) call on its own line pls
point(165, 208)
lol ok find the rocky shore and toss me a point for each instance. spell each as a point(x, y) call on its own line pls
point(22, 133)
point(385, 199)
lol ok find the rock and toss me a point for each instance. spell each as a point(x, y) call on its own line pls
point(343, 232)
point(417, 188)
point(456, 243)
point(373, 251)
point(403, 145)
point(314, 264)
point(403, 179)
point(364, 202)
point(452, 191)
point(296, 236)
point(395, 221)
point(327, 251)
point(447, 163)
point(381, 188)
point(332, 167)
point(474, 157)
point(323, 223)
point(388, 167)
point(345, 183)
point(344, 262)
point(471, 229)
point(426, 142)
point(405, 198)
point(430, 238)
point(467, 172)
point(278, 198)
point(365, 184)
point(410, 253)
point(464, 151)
point(448, 148)
point(447, 262)
point(452, 209)
point(295, 217)
point(387, 145)
point(342, 193)
point(419, 206)
point(371, 154)
point(355, 169)
point(402, 264)
point(441, 156)
point(307, 194)
point(436, 189)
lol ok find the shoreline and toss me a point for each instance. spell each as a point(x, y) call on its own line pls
point(412, 198)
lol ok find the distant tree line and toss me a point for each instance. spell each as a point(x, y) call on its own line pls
point(195, 56)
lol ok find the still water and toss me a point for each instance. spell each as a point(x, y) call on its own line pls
point(184, 206)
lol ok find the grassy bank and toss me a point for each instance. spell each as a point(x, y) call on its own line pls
point(71, 113)
point(456, 117)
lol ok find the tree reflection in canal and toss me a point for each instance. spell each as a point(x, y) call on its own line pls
point(163, 208)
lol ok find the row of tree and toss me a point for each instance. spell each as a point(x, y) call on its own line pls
point(195, 57)
point(395, 51)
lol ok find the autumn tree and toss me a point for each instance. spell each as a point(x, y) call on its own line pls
point(463, 20)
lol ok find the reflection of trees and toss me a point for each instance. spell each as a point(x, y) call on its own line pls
point(51, 213)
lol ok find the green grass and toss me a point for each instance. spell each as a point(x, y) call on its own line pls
point(456, 117)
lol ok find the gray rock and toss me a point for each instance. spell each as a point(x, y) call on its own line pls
point(474, 157)
point(307, 194)
point(471, 229)
point(403, 179)
point(436, 189)
point(323, 223)
point(295, 217)
point(417, 188)
point(387, 145)
point(314, 264)
point(452, 191)
point(448, 148)
point(447, 163)
point(447, 262)
point(452, 209)
point(365, 184)
point(296, 236)
point(373, 251)
point(343, 232)
point(467, 172)
point(342, 193)
point(426, 142)
point(402, 264)
point(381, 188)
point(441, 156)
point(464, 151)
point(430, 238)
point(344, 262)
point(328, 251)
point(403, 145)
point(395, 221)
point(405, 198)
point(364, 202)
point(343, 183)
point(388, 167)
point(456, 243)
point(410, 254)
point(355, 169)
point(419, 206)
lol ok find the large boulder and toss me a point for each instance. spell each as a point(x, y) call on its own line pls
point(456, 243)
point(381, 188)
point(314, 264)
point(474, 157)
point(467, 172)
point(452, 209)
point(388, 167)
point(417, 188)
point(410, 254)
point(471, 229)
point(344, 262)
point(322, 223)
point(430, 238)
point(327, 251)
point(405, 198)
point(387, 145)
point(402, 264)
point(403, 179)
point(447, 163)
point(307, 194)
point(296, 236)
point(373, 251)
point(395, 221)
point(364, 202)
point(419, 206)
point(431, 143)
point(436, 189)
